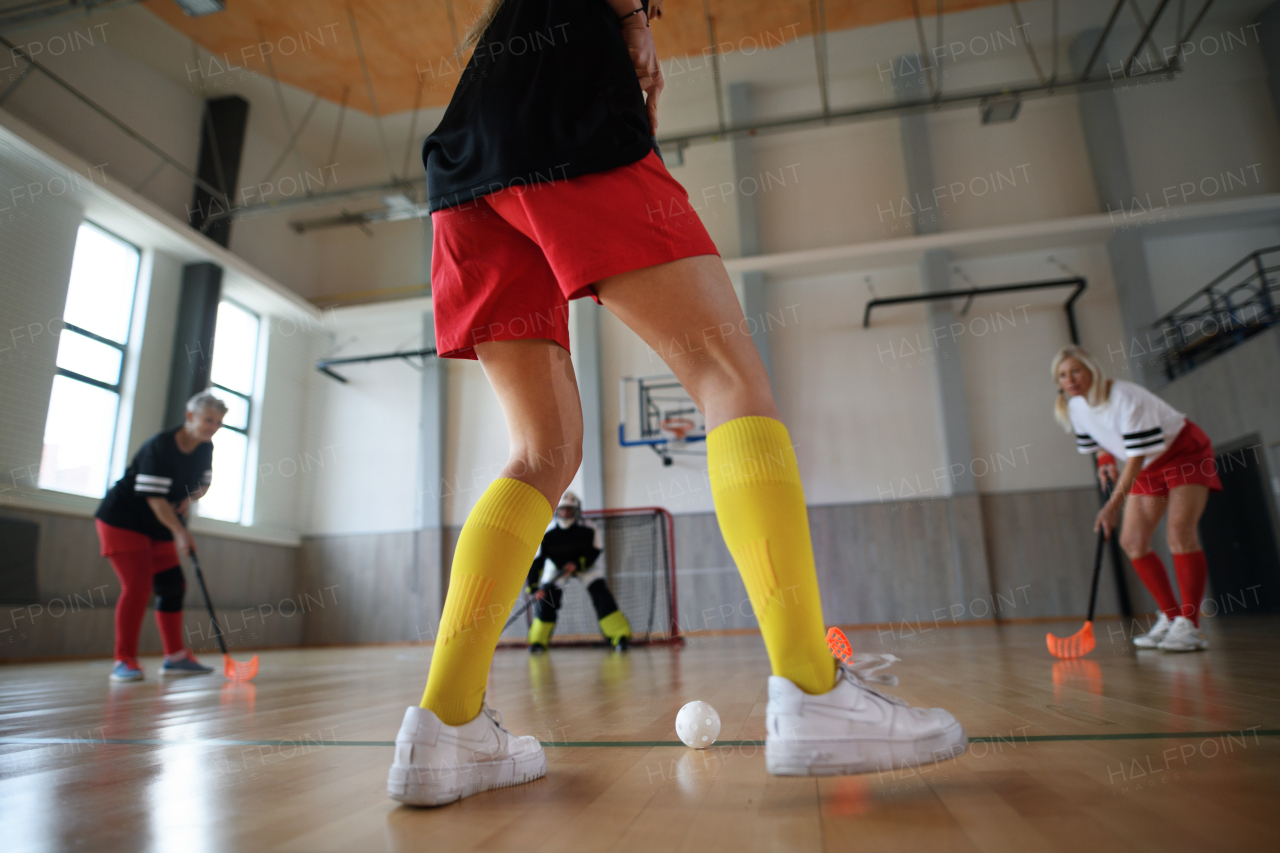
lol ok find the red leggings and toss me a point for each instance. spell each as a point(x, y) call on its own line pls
point(144, 565)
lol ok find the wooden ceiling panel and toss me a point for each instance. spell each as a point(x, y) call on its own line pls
point(409, 43)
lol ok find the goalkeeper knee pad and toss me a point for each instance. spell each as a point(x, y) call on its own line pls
point(616, 627)
point(540, 633)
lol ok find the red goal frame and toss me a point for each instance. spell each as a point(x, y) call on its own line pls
point(674, 636)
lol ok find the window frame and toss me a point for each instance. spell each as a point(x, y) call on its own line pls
point(80, 377)
point(259, 350)
point(123, 348)
point(257, 353)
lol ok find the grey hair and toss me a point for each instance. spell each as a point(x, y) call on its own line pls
point(206, 400)
point(478, 26)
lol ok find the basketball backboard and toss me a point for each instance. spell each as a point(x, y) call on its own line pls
point(656, 412)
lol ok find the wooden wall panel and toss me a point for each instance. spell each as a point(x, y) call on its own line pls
point(1041, 545)
point(78, 590)
point(384, 587)
point(877, 564)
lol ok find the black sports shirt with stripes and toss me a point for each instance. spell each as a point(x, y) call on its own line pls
point(159, 470)
point(1132, 422)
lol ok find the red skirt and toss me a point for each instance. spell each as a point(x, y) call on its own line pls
point(1188, 461)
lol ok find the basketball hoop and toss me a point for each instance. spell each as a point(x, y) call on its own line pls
point(679, 427)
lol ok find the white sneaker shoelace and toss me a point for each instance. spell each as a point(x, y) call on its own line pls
point(495, 716)
point(863, 669)
point(860, 664)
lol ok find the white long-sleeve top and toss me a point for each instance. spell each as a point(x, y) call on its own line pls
point(1132, 422)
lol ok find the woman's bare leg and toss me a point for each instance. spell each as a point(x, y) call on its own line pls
point(1141, 515)
point(538, 390)
point(1186, 505)
point(688, 313)
point(816, 718)
point(535, 384)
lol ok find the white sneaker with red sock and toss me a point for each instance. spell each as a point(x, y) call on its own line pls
point(1158, 632)
point(437, 764)
point(1184, 636)
point(853, 728)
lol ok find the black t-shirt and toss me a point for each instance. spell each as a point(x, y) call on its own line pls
point(159, 470)
point(566, 545)
point(549, 94)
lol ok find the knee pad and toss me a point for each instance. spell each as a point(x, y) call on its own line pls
point(170, 587)
point(615, 627)
point(540, 632)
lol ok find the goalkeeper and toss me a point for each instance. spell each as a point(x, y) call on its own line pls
point(570, 548)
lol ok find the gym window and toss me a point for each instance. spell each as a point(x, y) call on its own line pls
point(234, 370)
point(80, 427)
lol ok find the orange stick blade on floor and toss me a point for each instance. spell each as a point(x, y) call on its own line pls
point(1081, 642)
point(1077, 645)
point(234, 670)
point(231, 669)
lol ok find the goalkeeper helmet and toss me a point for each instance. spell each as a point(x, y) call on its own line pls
point(569, 511)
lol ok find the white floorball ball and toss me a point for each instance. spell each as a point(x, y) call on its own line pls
point(698, 725)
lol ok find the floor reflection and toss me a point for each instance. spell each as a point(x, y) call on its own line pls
point(542, 681)
point(238, 697)
point(1193, 688)
point(846, 796)
point(615, 670)
point(1076, 674)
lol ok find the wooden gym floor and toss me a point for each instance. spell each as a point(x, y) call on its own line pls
point(1120, 751)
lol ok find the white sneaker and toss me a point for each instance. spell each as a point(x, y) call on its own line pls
point(1184, 636)
point(437, 764)
point(1158, 631)
point(853, 728)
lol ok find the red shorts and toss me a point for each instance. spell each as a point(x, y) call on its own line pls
point(505, 266)
point(1189, 460)
point(118, 540)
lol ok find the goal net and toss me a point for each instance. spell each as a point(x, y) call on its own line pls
point(639, 563)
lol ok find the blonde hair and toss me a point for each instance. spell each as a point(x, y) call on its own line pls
point(1095, 396)
point(479, 25)
point(206, 400)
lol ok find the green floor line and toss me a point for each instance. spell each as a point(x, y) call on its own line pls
point(307, 742)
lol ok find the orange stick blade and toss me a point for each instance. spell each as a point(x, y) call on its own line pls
point(1077, 645)
point(237, 671)
point(839, 645)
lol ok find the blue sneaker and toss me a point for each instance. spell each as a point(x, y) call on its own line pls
point(127, 670)
point(185, 666)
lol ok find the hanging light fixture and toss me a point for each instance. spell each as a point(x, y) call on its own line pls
point(200, 8)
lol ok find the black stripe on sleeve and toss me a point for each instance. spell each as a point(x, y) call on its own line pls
point(1130, 436)
point(1152, 443)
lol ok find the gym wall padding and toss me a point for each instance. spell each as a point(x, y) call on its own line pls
point(73, 613)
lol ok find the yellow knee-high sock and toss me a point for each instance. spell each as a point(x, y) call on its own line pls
point(491, 560)
point(755, 484)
